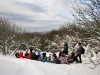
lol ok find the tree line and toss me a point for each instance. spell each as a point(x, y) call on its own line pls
point(85, 27)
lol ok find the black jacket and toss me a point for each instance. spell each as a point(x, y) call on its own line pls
point(66, 48)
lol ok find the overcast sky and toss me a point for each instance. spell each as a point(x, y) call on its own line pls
point(37, 15)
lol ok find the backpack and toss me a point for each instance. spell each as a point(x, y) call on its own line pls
point(82, 50)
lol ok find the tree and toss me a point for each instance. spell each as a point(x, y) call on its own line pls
point(87, 16)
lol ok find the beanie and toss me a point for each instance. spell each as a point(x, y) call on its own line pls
point(79, 43)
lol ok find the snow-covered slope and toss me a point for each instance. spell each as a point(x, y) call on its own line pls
point(15, 66)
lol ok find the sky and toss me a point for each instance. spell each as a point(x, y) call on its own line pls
point(37, 15)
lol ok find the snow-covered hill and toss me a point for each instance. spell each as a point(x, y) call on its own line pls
point(14, 66)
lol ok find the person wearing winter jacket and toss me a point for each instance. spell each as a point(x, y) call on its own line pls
point(63, 59)
point(65, 48)
point(78, 54)
point(26, 54)
point(71, 57)
point(21, 55)
point(55, 60)
point(49, 58)
point(39, 54)
point(17, 54)
point(43, 57)
point(30, 54)
point(33, 56)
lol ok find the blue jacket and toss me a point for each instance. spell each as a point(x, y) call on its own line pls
point(39, 53)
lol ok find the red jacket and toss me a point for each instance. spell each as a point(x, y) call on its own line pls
point(21, 55)
point(30, 55)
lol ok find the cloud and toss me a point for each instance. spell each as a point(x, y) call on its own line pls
point(37, 13)
point(16, 17)
point(32, 6)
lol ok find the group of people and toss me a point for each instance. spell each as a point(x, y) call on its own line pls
point(62, 58)
point(76, 56)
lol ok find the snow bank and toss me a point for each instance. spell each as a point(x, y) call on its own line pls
point(15, 66)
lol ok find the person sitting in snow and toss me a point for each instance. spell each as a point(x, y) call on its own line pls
point(33, 56)
point(49, 58)
point(39, 54)
point(71, 57)
point(63, 59)
point(26, 54)
point(21, 55)
point(17, 54)
point(30, 54)
point(43, 57)
point(55, 59)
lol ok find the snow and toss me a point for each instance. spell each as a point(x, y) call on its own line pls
point(9, 65)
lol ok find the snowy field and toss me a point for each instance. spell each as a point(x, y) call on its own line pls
point(14, 66)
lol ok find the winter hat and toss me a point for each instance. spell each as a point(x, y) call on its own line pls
point(79, 43)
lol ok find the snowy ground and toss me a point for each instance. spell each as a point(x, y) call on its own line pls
point(15, 66)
